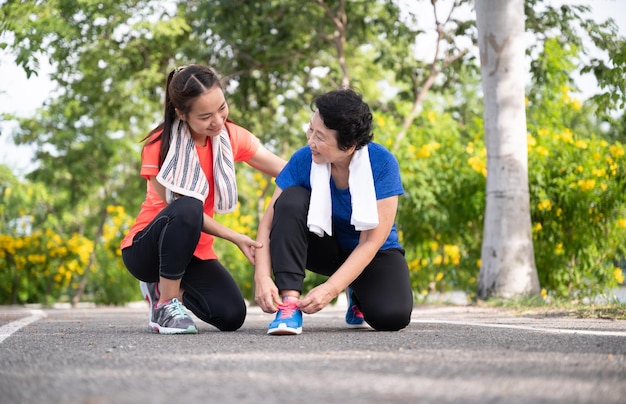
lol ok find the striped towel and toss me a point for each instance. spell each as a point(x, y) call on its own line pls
point(224, 173)
point(362, 194)
point(181, 173)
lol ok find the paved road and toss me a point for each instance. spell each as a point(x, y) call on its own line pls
point(449, 354)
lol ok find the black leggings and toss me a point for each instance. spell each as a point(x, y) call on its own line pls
point(382, 291)
point(165, 248)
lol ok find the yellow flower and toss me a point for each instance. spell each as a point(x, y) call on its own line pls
point(581, 144)
point(438, 277)
point(559, 248)
point(544, 293)
point(542, 150)
point(530, 139)
point(586, 185)
point(621, 223)
point(576, 104)
point(617, 150)
point(599, 172)
point(479, 165)
point(537, 227)
point(453, 251)
point(431, 116)
point(414, 265)
point(544, 205)
point(427, 150)
point(567, 136)
point(619, 275)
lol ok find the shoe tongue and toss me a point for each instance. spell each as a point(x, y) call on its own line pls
point(166, 302)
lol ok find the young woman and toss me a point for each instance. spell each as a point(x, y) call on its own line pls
point(333, 213)
point(188, 162)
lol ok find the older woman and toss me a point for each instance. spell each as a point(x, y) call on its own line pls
point(333, 213)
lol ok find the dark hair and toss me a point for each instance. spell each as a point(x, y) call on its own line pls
point(345, 111)
point(184, 85)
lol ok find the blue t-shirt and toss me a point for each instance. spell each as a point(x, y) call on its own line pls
point(387, 183)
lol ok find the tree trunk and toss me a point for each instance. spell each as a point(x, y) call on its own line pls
point(507, 257)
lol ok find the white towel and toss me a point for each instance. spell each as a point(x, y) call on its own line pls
point(224, 173)
point(181, 173)
point(362, 193)
point(319, 219)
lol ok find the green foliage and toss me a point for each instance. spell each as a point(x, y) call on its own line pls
point(440, 215)
point(43, 264)
point(579, 222)
point(110, 59)
point(577, 181)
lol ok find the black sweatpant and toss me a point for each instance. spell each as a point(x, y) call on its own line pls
point(165, 248)
point(382, 291)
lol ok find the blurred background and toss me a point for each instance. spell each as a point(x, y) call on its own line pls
point(82, 82)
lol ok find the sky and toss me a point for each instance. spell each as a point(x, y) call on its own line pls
point(21, 96)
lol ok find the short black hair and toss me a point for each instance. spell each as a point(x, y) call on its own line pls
point(345, 111)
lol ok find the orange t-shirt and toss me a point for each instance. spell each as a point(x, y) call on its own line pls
point(244, 145)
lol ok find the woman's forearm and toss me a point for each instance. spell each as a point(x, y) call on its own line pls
point(214, 228)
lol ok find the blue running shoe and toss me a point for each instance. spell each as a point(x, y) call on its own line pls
point(354, 317)
point(288, 320)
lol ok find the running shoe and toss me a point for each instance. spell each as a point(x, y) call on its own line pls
point(354, 317)
point(172, 318)
point(150, 292)
point(288, 320)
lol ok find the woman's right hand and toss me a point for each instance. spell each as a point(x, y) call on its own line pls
point(247, 246)
point(266, 294)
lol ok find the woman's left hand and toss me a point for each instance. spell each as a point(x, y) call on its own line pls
point(317, 298)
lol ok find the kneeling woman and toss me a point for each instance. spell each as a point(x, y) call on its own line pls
point(333, 213)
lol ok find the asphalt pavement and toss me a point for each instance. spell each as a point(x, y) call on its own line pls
point(448, 354)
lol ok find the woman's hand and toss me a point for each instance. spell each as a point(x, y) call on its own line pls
point(247, 246)
point(266, 294)
point(317, 298)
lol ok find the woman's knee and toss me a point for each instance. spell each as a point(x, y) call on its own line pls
point(231, 320)
point(389, 319)
point(292, 200)
point(188, 211)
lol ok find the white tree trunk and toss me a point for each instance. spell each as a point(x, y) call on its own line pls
point(507, 257)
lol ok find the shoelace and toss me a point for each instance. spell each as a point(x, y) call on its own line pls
point(175, 309)
point(355, 310)
point(287, 308)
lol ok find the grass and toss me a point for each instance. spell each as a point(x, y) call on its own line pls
point(537, 306)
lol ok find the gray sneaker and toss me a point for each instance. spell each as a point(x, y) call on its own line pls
point(150, 292)
point(171, 318)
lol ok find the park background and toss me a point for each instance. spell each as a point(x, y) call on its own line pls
point(60, 225)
